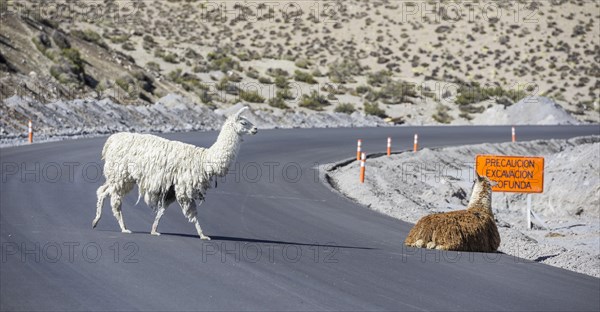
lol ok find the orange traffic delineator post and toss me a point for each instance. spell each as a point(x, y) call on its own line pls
point(416, 143)
point(389, 146)
point(363, 159)
point(30, 132)
point(514, 136)
point(358, 149)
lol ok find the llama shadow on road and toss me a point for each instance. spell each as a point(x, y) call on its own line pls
point(265, 241)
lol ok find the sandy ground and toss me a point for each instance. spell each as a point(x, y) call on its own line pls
point(544, 48)
point(409, 186)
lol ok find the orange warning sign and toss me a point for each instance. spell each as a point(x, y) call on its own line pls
point(512, 173)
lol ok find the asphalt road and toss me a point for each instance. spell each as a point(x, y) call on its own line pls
point(281, 239)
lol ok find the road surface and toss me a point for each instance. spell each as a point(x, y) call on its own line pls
point(281, 240)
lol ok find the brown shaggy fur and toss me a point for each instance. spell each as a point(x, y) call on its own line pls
point(472, 229)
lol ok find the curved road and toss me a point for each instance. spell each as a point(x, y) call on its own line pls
point(280, 242)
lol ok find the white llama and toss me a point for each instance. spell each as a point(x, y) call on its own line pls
point(167, 171)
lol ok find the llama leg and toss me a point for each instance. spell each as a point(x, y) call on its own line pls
point(189, 210)
point(115, 202)
point(199, 230)
point(101, 193)
point(159, 214)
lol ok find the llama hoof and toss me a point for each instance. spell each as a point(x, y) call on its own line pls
point(204, 237)
point(126, 231)
point(155, 233)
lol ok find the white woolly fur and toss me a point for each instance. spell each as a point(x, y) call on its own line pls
point(167, 171)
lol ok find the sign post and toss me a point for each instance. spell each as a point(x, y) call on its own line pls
point(518, 174)
point(529, 211)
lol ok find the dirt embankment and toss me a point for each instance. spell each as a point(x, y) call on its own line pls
point(409, 186)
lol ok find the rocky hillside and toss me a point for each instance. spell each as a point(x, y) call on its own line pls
point(416, 62)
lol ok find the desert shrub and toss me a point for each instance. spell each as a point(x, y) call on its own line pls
point(174, 75)
point(252, 73)
point(252, 97)
point(304, 77)
point(471, 109)
point(285, 94)
point(63, 74)
point(345, 108)
point(465, 116)
point(149, 39)
point(170, 58)
point(124, 82)
point(474, 93)
point(274, 72)
point(118, 39)
point(333, 89)
point(469, 95)
point(148, 42)
point(153, 66)
point(362, 89)
point(189, 82)
point(278, 102)
point(441, 115)
point(128, 46)
point(379, 78)
point(317, 73)
point(281, 82)
point(246, 55)
point(342, 72)
point(225, 85)
point(302, 63)
point(265, 80)
point(90, 36)
point(373, 109)
point(74, 57)
point(396, 92)
point(127, 83)
point(314, 101)
point(219, 60)
point(222, 84)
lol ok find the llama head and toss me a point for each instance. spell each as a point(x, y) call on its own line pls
point(483, 181)
point(240, 124)
point(482, 184)
point(482, 192)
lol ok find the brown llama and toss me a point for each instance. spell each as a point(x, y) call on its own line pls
point(472, 229)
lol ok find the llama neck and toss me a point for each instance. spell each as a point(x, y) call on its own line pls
point(224, 151)
point(481, 198)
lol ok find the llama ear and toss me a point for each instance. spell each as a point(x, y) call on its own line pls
point(239, 113)
point(479, 178)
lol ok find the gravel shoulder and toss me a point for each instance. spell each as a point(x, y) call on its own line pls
point(410, 185)
point(173, 113)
